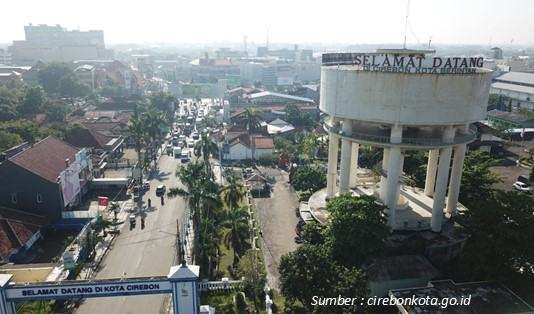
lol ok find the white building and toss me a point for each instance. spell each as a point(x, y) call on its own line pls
point(516, 85)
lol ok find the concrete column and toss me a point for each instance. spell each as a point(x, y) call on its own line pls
point(354, 164)
point(383, 185)
point(456, 178)
point(346, 150)
point(441, 181)
point(6, 307)
point(431, 168)
point(393, 174)
point(392, 183)
point(333, 149)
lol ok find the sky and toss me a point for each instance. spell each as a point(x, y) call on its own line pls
point(481, 22)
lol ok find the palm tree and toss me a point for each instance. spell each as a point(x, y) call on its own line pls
point(236, 221)
point(208, 246)
point(250, 119)
point(138, 133)
point(200, 190)
point(154, 120)
point(205, 147)
point(233, 192)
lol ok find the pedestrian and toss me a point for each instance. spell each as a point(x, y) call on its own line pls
point(149, 203)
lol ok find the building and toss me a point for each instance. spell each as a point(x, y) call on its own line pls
point(56, 44)
point(470, 297)
point(399, 272)
point(59, 174)
point(87, 74)
point(401, 100)
point(518, 86)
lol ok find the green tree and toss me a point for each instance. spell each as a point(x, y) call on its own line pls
point(153, 121)
point(312, 232)
point(253, 270)
point(499, 247)
point(311, 271)
point(236, 220)
point(33, 99)
point(208, 245)
point(8, 112)
point(24, 128)
point(233, 192)
point(297, 117)
point(51, 75)
point(206, 148)
point(477, 178)
point(162, 101)
point(358, 229)
point(310, 179)
point(8, 140)
point(138, 132)
point(200, 189)
point(250, 119)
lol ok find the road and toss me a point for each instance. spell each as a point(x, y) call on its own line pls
point(147, 252)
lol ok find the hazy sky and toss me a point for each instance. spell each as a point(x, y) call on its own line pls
point(487, 22)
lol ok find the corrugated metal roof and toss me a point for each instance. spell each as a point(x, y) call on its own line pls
point(513, 87)
point(516, 77)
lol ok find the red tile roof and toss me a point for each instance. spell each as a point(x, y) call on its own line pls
point(244, 139)
point(89, 139)
point(16, 228)
point(46, 158)
point(263, 142)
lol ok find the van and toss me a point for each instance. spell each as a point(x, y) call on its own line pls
point(525, 179)
point(185, 156)
point(177, 152)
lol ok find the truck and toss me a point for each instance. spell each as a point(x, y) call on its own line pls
point(177, 151)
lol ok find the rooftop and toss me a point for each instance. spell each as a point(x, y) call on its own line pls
point(484, 297)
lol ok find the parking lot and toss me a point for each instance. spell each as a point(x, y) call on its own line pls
point(508, 168)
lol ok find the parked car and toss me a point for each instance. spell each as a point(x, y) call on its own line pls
point(160, 190)
point(520, 186)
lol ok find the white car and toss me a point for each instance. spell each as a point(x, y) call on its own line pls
point(520, 186)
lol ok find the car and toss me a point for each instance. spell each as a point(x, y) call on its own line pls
point(160, 190)
point(520, 186)
point(190, 143)
point(195, 135)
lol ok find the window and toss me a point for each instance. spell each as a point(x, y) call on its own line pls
point(14, 198)
point(39, 198)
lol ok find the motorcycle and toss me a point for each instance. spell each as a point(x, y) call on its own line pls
point(142, 223)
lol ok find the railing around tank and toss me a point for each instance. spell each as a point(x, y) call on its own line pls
point(405, 141)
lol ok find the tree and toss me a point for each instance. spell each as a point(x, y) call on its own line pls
point(162, 101)
point(138, 133)
point(236, 220)
point(208, 245)
point(499, 247)
point(477, 178)
point(250, 119)
point(311, 271)
point(358, 229)
point(153, 121)
point(233, 192)
point(33, 99)
point(24, 128)
point(205, 147)
point(312, 232)
point(310, 179)
point(200, 189)
point(253, 270)
point(51, 75)
point(297, 117)
point(8, 140)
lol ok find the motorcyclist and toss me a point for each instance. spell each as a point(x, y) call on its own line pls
point(149, 203)
point(162, 200)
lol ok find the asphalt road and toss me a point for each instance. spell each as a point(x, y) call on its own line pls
point(276, 216)
point(147, 252)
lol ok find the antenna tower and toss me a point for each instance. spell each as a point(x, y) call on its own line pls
point(406, 23)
